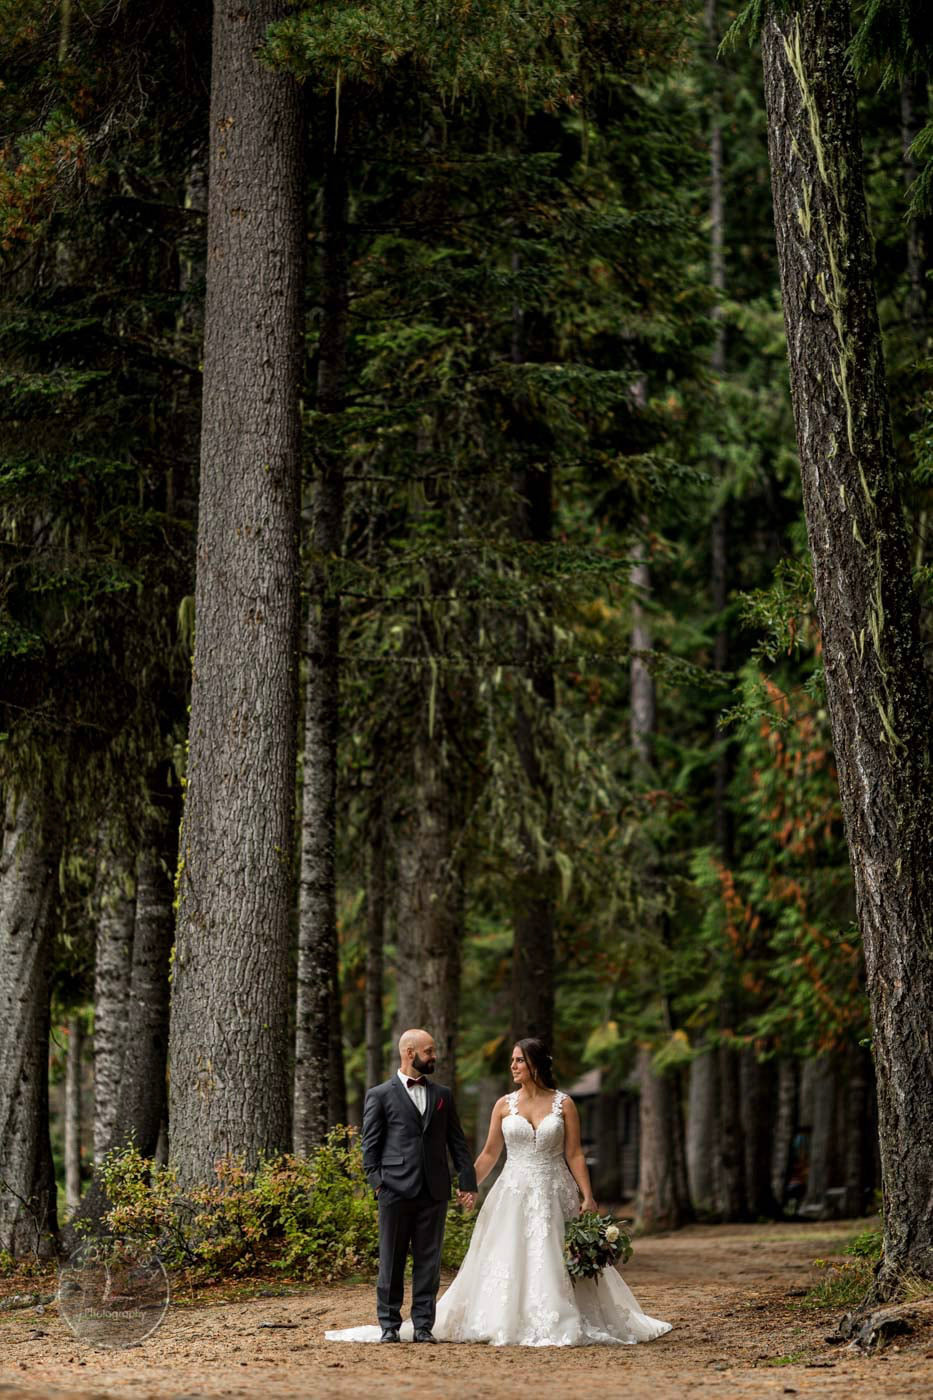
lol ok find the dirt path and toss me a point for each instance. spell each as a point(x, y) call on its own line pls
point(730, 1291)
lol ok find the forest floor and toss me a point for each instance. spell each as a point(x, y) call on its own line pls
point(733, 1293)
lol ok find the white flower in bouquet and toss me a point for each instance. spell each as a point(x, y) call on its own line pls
point(612, 1234)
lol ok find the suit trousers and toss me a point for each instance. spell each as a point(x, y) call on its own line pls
point(416, 1224)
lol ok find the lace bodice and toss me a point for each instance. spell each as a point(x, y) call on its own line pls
point(524, 1143)
point(535, 1168)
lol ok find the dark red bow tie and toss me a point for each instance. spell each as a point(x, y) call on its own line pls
point(412, 1082)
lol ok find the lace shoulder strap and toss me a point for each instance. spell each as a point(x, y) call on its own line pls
point(513, 1102)
point(558, 1107)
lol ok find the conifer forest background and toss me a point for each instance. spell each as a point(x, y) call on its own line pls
point(465, 481)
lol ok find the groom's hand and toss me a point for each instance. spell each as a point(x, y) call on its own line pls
point(467, 1199)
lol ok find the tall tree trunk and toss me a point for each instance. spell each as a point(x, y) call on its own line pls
point(719, 558)
point(534, 884)
point(661, 1186)
point(877, 686)
point(703, 1132)
point(28, 867)
point(73, 1111)
point(375, 938)
point(855, 1163)
point(429, 934)
point(230, 1080)
point(113, 956)
point(731, 1176)
point(818, 1111)
point(663, 1192)
point(784, 1125)
point(733, 1203)
point(607, 1179)
point(757, 1082)
point(320, 1090)
point(143, 1089)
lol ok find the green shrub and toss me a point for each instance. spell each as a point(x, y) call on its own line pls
point(315, 1217)
point(212, 1228)
point(324, 1208)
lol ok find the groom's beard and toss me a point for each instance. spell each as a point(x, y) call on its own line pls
point(423, 1066)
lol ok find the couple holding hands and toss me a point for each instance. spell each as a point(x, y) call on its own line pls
point(513, 1288)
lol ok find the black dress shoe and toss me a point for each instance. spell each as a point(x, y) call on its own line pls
point(424, 1334)
point(389, 1334)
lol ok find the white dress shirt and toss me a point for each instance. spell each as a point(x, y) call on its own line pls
point(418, 1093)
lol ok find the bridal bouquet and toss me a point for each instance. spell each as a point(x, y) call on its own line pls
point(592, 1242)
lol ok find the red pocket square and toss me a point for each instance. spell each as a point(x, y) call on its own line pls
point(440, 1103)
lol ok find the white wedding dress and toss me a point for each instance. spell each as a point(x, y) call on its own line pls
point(513, 1288)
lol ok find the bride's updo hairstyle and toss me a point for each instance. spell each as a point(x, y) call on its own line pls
point(538, 1061)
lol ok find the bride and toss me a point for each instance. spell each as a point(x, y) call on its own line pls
point(513, 1288)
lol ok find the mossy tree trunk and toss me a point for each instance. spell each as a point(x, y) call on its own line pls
point(230, 1083)
point(877, 686)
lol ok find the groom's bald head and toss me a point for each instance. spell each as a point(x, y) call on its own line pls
point(416, 1051)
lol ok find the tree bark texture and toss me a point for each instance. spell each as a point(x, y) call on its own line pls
point(143, 1088)
point(784, 1123)
point(320, 1091)
point(733, 1200)
point(113, 954)
point(703, 1132)
point(28, 867)
point(73, 1111)
point(877, 687)
point(140, 1102)
point(375, 940)
point(661, 1200)
point(230, 1074)
point(663, 1191)
point(818, 1111)
point(429, 906)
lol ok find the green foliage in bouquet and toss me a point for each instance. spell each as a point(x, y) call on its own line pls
point(594, 1242)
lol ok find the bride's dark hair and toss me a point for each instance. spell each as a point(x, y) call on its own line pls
point(538, 1060)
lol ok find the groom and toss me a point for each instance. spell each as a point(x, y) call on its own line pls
point(409, 1125)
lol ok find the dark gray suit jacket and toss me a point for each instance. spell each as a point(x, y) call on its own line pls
point(403, 1149)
